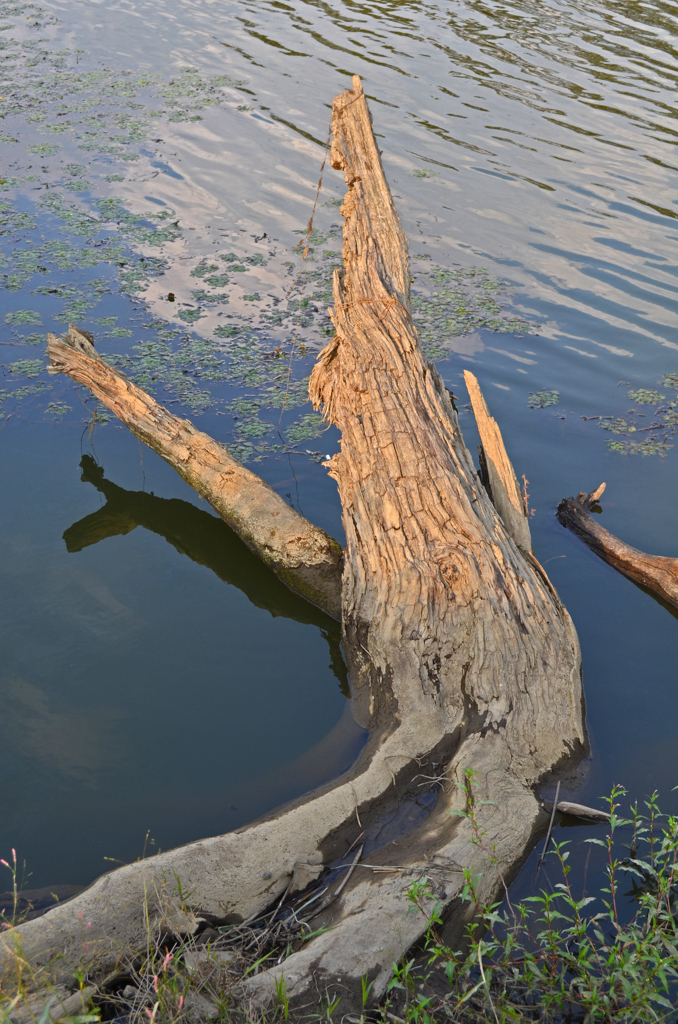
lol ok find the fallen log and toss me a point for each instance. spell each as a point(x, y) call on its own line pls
point(656, 572)
point(305, 558)
point(459, 653)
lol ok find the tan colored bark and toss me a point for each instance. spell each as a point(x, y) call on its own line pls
point(459, 651)
point(497, 471)
point(656, 572)
point(301, 554)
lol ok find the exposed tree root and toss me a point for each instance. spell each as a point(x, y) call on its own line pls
point(459, 652)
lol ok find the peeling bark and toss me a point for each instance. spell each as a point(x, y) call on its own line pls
point(459, 653)
point(656, 572)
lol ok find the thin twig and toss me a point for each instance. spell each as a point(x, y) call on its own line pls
point(335, 895)
point(360, 824)
point(548, 834)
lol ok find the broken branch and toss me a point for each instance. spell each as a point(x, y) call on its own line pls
point(656, 572)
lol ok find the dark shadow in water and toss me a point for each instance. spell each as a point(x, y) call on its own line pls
point(671, 609)
point(207, 541)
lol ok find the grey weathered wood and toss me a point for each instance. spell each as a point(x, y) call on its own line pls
point(581, 811)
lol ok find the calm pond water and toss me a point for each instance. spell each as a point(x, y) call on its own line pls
point(155, 678)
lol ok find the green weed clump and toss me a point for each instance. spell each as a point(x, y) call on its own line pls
point(555, 957)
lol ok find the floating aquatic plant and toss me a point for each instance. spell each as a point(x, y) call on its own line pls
point(57, 409)
point(650, 447)
point(542, 399)
point(307, 427)
point(22, 316)
point(645, 396)
point(27, 367)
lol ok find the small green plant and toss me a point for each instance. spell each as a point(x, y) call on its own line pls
point(281, 995)
point(556, 958)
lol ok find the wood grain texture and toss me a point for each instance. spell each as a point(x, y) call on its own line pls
point(656, 572)
point(461, 658)
point(497, 470)
point(302, 555)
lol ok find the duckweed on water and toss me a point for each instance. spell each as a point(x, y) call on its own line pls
point(542, 399)
point(18, 394)
point(665, 420)
point(308, 426)
point(645, 396)
point(78, 300)
point(57, 409)
point(12, 220)
point(26, 367)
point(43, 148)
point(191, 316)
point(100, 109)
point(23, 316)
point(457, 302)
point(207, 297)
point(650, 447)
point(618, 426)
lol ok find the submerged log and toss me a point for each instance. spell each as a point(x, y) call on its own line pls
point(301, 554)
point(459, 652)
point(656, 572)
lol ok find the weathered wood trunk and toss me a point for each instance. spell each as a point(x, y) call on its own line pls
point(656, 572)
point(459, 652)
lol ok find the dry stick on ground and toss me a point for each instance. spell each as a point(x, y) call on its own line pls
point(656, 572)
point(458, 648)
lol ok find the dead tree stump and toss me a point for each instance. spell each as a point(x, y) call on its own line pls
point(459, 650)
